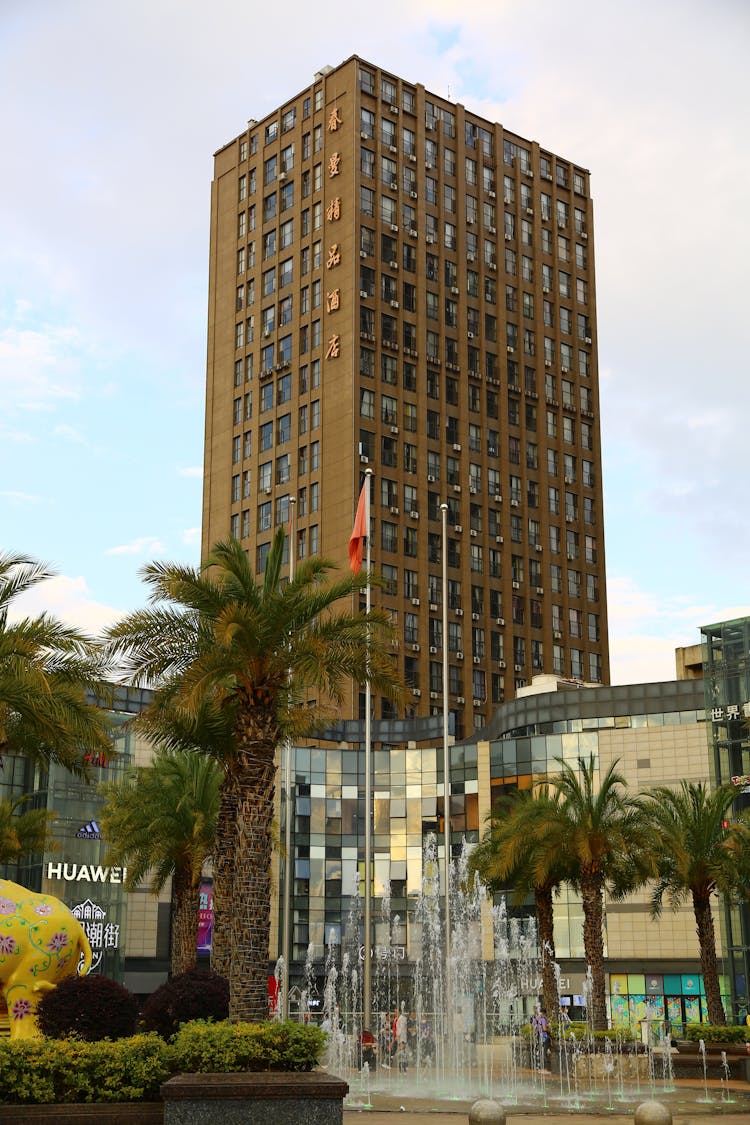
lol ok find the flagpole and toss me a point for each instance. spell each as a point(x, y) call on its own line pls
point(367, 974)
point(446, 778)
point(286, 945)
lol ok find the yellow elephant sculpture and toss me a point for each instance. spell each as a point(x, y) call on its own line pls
point(41, 943)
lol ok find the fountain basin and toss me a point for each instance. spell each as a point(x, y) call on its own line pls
point(688, 1061)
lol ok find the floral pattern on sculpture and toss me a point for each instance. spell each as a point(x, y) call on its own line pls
point(7, 944)
point(21, 1009)
point(8, 906)
point(57, 942)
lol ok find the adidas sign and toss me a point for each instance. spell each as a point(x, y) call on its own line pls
point(90, 831)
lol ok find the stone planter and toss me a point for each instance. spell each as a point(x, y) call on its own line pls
point(688, 1062)
point(89, 1113)
point(263, 1098)
point(598, 1066)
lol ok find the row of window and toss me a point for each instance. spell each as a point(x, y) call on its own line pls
point(387, 169)
point(288, 121)
point(440, 119)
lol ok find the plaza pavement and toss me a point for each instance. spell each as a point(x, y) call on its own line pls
point(687, 1104)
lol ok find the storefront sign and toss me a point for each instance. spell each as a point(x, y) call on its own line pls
point(205, 917)
point(86, 873)
point(385, 953)
point(101, 933)
point(732, 711)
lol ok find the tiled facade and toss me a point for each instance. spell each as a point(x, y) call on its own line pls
point(400, 285)
point(656, 733)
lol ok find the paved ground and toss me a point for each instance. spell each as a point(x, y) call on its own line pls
point(730, 1103)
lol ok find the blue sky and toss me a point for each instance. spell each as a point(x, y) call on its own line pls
point(110, 118)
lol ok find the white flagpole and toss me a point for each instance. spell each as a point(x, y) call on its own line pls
point(446, 780)
point(286, 944)
point(367, 974)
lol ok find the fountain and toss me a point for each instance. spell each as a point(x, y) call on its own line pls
point(460, 1031)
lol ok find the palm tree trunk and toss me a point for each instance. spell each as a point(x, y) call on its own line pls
point(226, 836)
point(546, 924)
point(704, 925)
point(593, 944)
point(186, 900)
point(250, 922)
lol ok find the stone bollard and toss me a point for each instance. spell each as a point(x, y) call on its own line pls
point(486, 1112)
point(652, 1113)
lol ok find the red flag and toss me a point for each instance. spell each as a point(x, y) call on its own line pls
point(360, 530)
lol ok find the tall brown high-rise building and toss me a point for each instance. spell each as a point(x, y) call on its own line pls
point(399, 284)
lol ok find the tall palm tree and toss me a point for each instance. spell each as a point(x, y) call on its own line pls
point(601, 829)
point(162, 822)
point(254, 652)
point(50, 675)
point(699, 851)
point(519, 850)
point(23, 833)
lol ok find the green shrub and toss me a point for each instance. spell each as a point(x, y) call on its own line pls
point(57, 1071)
point(716, 1033)
point(44, 1071)
point(228, 1047)
point(89, 1008)
point(198, 994)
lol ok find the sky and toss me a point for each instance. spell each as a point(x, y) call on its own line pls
point(110, 117)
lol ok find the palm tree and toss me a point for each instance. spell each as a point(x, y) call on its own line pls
point(23, 833)
point(519, 848)
point(50, 677)
point(601, 830)
point(162, 822)
point(251, 654)
point(699, 852)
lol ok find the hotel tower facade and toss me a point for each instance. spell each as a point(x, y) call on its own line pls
point(400, 285)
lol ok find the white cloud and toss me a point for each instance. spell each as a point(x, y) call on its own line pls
point(16, 497)
point(145, 545)
point(68, 599)
point(191, 471)
point(70, 433)
point(39, 365)
point(645, 628)
point(191, 536)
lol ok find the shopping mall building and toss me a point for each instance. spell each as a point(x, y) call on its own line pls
point(691, 728)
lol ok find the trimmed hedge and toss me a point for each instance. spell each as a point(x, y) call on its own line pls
point(203, 1047)
point(717, 1033)
point(45, 1071)
point(56, 1071)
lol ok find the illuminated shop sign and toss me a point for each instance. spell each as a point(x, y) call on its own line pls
point(718, 714)
point(86, 873)
point(101, 933)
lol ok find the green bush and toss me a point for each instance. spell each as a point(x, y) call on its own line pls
point(198, 994)
point(57, 1071)
point(228, 1047)
point(716, 1033)
point(44, 1071)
